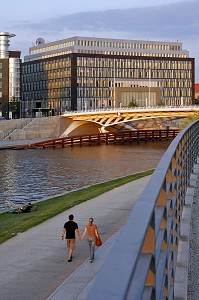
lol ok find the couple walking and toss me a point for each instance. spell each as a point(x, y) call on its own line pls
point(70, 230)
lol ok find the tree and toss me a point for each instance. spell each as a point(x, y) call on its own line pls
point(190, 119)
point(14, 107)
point(197, 101)
point(132, 103)
point(13, 104)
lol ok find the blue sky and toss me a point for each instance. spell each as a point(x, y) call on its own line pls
point(17, 10)
point(161, 20)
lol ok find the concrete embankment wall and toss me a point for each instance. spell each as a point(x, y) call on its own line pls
point(38, 128)
point(7, 125)
point(45, 128)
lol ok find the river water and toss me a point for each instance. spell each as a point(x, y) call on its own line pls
point(36, 174)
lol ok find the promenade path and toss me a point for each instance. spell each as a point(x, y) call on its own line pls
point(33, 264)
point(193, 272)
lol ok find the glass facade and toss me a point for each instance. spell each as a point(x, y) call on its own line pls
point(86, 79)
point(46, 85)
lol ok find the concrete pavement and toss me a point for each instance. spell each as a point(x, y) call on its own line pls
point(33, 264)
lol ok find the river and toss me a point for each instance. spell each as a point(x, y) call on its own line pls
point(36, 174)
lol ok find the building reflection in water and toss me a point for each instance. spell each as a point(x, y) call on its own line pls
point(32, 175)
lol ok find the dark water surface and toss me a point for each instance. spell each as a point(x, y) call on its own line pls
point(35, 174)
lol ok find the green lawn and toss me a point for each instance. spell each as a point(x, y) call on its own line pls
point(11, 223)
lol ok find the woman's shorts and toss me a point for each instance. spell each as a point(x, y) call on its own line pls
point(71, 243)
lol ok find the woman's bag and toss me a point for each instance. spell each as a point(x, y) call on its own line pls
point(98, 242)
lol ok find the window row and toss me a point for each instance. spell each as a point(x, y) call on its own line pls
point(132, 53)
point(133, 63)
point(43, 66)
point(128, 73)
point(43, 85)
point(130, 45)
point(53, 47)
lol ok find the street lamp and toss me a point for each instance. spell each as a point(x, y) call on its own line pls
point(20, 108)
point(32, 108)
point(60, 106)
point(114, 85)
point(149, 87)
point(27, 107)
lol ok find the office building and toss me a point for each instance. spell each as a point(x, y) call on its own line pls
point(10, 78)
point(85, 73)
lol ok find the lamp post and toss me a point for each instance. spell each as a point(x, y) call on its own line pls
point(32, 108)
point(149, 87)
point(27, 106)
point(114, 85)
point(60, 106)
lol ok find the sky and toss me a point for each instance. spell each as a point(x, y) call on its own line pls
point(159, 20)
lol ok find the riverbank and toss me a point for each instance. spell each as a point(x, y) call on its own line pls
point(11, 224)
point(34, 263)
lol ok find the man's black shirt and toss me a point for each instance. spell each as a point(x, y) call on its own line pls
point(70, 227)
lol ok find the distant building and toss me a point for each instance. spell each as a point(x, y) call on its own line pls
point(10, 77)
point(83, 73)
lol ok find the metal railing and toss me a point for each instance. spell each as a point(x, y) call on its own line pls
point(19, 126)
point(128, 109)
point(142, 264)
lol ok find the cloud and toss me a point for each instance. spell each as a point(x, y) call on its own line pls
point(171, 22)
point(165, 20)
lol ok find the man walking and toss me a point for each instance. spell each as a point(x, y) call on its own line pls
point(69, 230)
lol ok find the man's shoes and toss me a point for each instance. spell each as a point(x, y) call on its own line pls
point(69, 260)
point(91, 260)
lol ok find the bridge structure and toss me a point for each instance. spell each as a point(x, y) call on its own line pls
point(118, 119)
point(147, 260)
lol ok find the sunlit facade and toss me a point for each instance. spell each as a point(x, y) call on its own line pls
point(83, 73)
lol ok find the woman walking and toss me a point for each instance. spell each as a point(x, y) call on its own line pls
point(92, 231)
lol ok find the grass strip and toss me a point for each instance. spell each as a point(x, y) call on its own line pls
point(11, 224)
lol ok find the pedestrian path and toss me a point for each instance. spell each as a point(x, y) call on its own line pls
point(193, 272)
point(34, 263)
point(77, 285)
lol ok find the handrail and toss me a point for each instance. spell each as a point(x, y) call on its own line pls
point(128, 109)
point(19, 126)
point(142, 264)
point(100, 138)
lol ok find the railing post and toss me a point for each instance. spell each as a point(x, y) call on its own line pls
point(107, 138)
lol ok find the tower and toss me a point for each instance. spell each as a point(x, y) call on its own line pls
point(10, 76)
point(5, 44)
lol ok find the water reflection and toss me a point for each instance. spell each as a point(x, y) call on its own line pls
point(32, 175)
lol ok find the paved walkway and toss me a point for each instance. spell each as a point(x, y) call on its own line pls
point(193, 274)
point(33, 264)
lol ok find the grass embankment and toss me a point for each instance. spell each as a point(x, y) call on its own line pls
point(11, 224)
